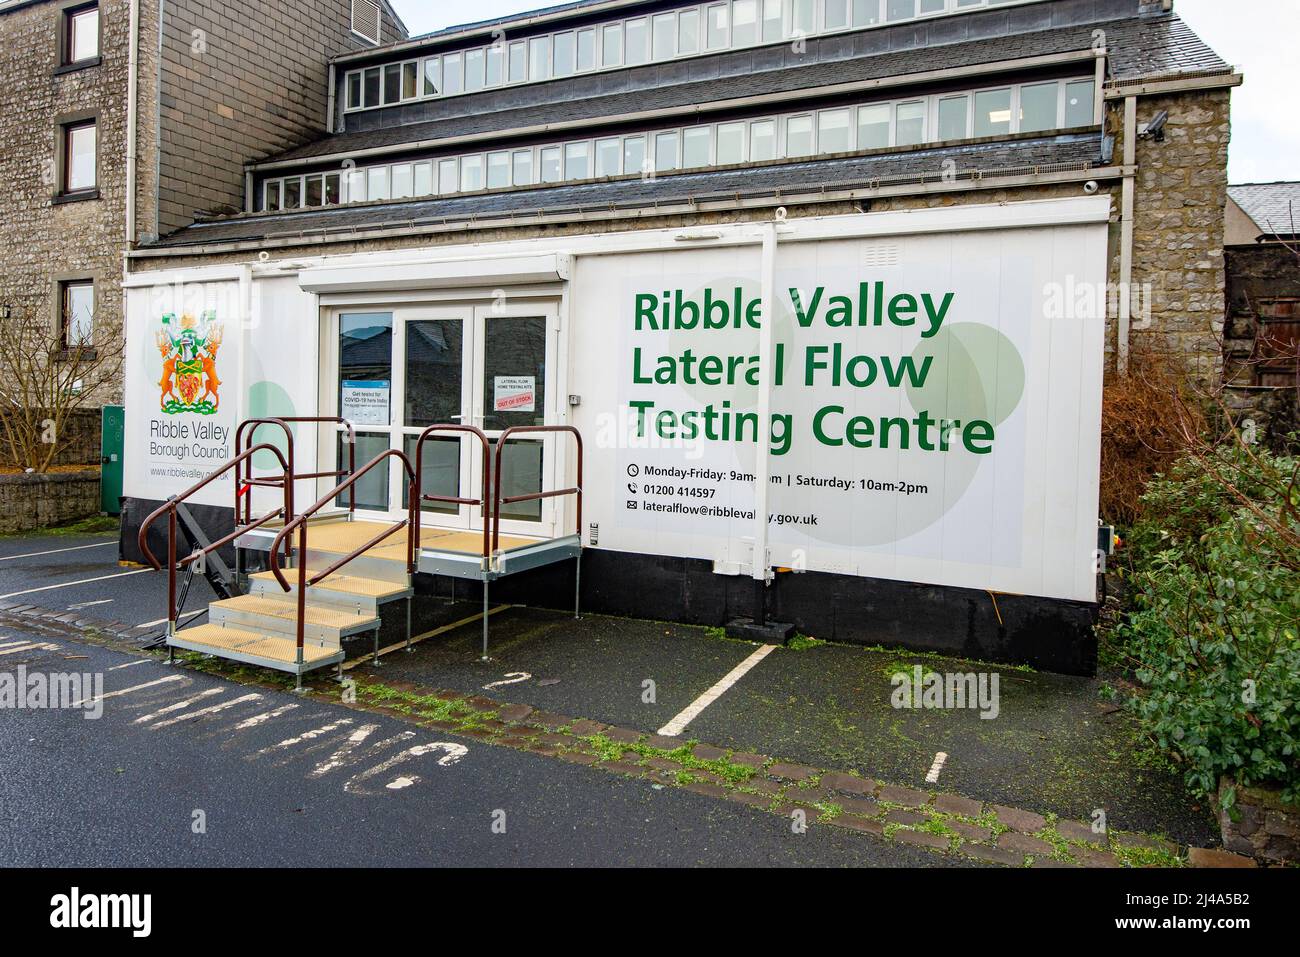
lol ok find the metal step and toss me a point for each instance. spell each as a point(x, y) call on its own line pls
point(278, 614)
point(363, 596)
point(255, 648)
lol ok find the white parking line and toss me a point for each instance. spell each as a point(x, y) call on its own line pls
point(115, 694)
point(935, 768)
point(211, 709)
point(90, 604)
point(178, 705)
point(84, 581)
point(262, 718)
point(130, 664)
point(29, 646)
point(56, 551)
point(692, 711)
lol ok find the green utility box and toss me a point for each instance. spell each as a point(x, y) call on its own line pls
point(111, 443)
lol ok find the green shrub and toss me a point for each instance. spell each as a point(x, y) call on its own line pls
point(1216, 614)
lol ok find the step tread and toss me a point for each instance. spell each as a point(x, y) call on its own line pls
point(346, 584)
point(288, 610)
point(276, 648)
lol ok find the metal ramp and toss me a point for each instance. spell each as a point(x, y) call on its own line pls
point(298, 623)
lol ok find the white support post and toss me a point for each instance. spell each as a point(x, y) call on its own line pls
point(763, 457)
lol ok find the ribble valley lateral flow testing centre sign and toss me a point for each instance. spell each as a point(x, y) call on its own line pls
point(934, 411)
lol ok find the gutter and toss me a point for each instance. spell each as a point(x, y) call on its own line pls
point(728, 202)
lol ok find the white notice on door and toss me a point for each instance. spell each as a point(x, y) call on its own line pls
point(365, 402)
point(514, 393)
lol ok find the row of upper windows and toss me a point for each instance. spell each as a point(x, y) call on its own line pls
point(691, 31)
point(996, 111)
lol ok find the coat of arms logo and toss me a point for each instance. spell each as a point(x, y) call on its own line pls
point(189, 353)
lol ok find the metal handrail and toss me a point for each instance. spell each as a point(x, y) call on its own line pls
point(170, 506)
point(244, 483)
point(482, 500)
point(498, 501)
point(300, 523)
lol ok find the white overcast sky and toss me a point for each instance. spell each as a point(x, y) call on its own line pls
point(1257, 36)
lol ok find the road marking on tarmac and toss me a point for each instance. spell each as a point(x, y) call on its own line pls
point(162, 621)
point(117, 694)
point(935, 768)
point(29, 646)
point(692, 711)
point(84, 581)
point(56, 551)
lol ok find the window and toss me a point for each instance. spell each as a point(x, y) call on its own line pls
point(539, 59)
point(471, 173)
point(79, 157)
point(608, 154)
point(498, 170)
point(377, 183)
point(664, 36)
point(1078, 104)
point(911, 124)
point(612, 45)
point(523, 167)
point(666, 152)
point(634, 155)
point(866, 13)
point(577, 161)
point(716, 34)
point(773, 25)
point(688, 32)
point(432, 76)
point(586, 50)
point(803, 18)
point(354, 91)
point(566, 53)
point(76, 312)
point(423, 179)
point(1038, 107)
point(393, 83)
point(900, 9)
point(551, 170)
point(993, 112)
point(952, 117)
point(403, 181)
point(637, 39)
point(731, 143)
point(448, 179)
point(291, 197)
point(836, 14)
point(315, 193)
point(271, 198)
point(873, 127)
point(371, 85)
point(695, 147)
point(762, 140)
point(365, 19)
point(80, 34)
point(799, 136)
point(452, 77)
point(833, 131)
point(744, 23)
point(518, 62)
point(474, 76)
point(495, 54)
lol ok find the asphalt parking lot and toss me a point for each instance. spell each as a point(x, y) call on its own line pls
point(1055, 745)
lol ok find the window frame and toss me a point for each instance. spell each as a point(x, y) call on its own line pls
point(67, 22)
point(67, 127)
point(63, 288)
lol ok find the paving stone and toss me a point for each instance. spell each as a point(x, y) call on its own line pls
point(442, 725)
point(1074, 831)
point(703, 787)
point(622, 767)
point(744, 797)
point(897, 816)
point(1138, 840)
point(1051, 862)
point(791, 772)
point(847, 782)
point(577, 757)
point(622, 735)
point(450, 695)
point(492, 724)
point(993, 855)
point(513, 741)
point(521, 730)
point(707, 752)
point(663, 764)
point(906, 796)
point(480, 703)
point(538, 748)
point(1216, 857)
point(515, 712)
point(861, 806)
point(476, 733)
point(766, 786)
point(584, 727)
point(955, 804)
point(749, 760)
point(663, 742)
point(922, 838)
point(1014, 841)
point(1090, 858)
point(552, 722)
point(1026, 821)
point(555, 740)
point(971, 832)
point(855, 823)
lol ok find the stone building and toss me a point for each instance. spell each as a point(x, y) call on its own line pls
point(1261, 339)
point(122, 118)
point(521, 201)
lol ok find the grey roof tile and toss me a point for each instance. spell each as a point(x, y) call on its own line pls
point(1275, 207)
point(1077, 149)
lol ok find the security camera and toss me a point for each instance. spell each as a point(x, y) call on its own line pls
point(1091, 186)
point(1155, 130)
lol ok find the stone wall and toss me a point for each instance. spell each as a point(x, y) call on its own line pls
point(1265, 828)
point(81, 433)
point(44, 241)
point(34, 501)
point(238, 82)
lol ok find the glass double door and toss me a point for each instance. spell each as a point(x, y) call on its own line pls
point(402, 370)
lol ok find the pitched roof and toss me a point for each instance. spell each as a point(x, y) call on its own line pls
point(1275, 207)
point(1142, 46)
point(991, 157)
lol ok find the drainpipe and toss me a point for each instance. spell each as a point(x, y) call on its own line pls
point(760, 567)
point(1126, 236)
point(132, 90)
